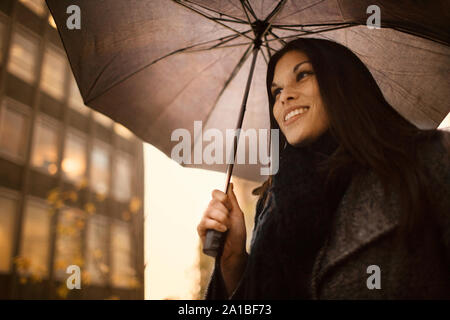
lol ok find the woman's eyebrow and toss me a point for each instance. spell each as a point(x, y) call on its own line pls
point(293, 70)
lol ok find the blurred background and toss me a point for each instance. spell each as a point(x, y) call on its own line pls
point(73, 189)
point(78, 188)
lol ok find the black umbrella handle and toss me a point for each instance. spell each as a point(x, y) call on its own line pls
point(214, 239)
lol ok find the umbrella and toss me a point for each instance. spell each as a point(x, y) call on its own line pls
point(156, 66)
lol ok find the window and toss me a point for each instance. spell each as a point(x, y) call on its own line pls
point(102, 119)
point(35, 239)
point(75, 99)
point(74, 163)
point(97, 249)
point(100, 165)
point(122, 271)
point(45, 146)
point(23, 57)
point(37, 6)
point(122, 177)
point(53, 73)
point(2, 38)
point(14, 122)
point(122, 131)
point(8, 207)
point(68, 241)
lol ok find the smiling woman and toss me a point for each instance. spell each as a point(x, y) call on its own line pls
point(298, 106)
point(358, 188)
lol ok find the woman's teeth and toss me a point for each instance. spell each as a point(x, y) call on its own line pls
point(295, 112)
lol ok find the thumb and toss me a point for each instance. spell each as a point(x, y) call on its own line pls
point(233, 198)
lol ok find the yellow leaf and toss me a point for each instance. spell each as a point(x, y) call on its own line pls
point(135, 204)
point(89, 208)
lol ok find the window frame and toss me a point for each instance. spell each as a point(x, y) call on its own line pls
point(26, 32)
point(5, 20)
point(130, 159)
point(56, 239)
point(15, 196)
point(48, 121)
point(112, 251)
point(38, 202)
point(108, 147)
point(10, 103)
point(107, 253)
point(61, 52)
point(82, 135)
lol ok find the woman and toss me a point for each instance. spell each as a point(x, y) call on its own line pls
point(360, 205)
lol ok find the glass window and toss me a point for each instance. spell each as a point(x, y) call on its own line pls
point(122, 271)
point(75, 99)
point(23, 58)
point(74, 163)
point(13, 129)
point(68, 241)
point(53, 73)
point(102, 119)
point(37, 6)
point(8, 207)
point(100, 165)
point(35, 239)
point(2, 38)
point(45, 146)
point(122, 131)
point(97, 249)
point(122, 177)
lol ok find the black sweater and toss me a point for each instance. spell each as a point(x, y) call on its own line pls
point(290, 231)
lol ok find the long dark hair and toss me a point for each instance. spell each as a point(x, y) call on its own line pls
point(371, 134)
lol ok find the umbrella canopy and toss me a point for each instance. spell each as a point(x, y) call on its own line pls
point(159, 65)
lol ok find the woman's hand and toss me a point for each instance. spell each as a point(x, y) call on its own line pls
point(224, 214)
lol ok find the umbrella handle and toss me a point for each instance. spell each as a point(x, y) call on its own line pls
point(213, 243)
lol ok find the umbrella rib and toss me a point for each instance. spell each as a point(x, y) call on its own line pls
point(277, 37)
point(280, 26)
point(227, 82)
point(264, 56)
point(310, 32)
point(268, 51)
point(228, 40)
point(250, 9)
point(212, 19)
point(184, 88)
point(307, 7)
point(275, 11)
point(222, 47)
point(236, 20)
point(301, 28)
point(153, 62)
point(246, 14)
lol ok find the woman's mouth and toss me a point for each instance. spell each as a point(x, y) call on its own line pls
point(294, 115)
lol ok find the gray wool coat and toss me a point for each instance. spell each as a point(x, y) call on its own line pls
point(365, 233)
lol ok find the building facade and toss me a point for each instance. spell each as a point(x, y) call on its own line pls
point(71, 179)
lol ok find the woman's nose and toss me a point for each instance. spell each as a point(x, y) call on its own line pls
point(287, 95)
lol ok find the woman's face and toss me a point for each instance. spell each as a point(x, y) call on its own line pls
point(298, 107)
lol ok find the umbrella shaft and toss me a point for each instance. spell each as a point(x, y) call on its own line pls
point(241, 117)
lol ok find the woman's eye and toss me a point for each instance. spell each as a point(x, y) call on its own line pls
point(276, 92)
point(303, 74)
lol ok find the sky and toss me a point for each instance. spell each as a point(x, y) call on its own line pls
point(175, 199)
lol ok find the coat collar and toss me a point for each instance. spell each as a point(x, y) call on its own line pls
point(363, 216)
